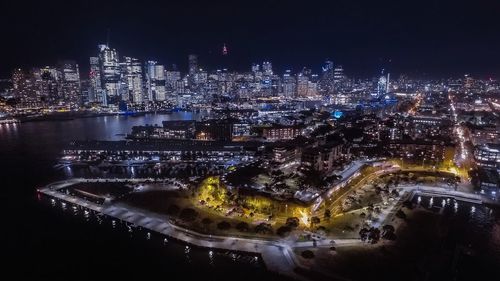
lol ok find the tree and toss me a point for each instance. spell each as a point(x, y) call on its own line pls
point(206, 222)
point(374, 235)
point(321, 230)
point(284, 230)
point(242, 226)
point(188, 215)
point(328, 214)
point(307, 254)
point(264, 228)
point(363, 234)
point(315, 220)
point(223, 225)
point(292, 222)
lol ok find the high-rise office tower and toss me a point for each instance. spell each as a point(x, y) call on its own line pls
point(193, 64)
point(173, 83)
point(70, 88)
point(302, 85)
point(338, 74)
point(468, 82)
point(131, 88)
point(255, 67)
point(95, 88)
point(25, 88)
point(312, 89)
point(382, 85)
point(328, 66)
point(110, 74)
point(327, 80)
point(172, 76)
point(17, 77)
point(267, 68)
point(85, 91)
point(289, 85)
point(155, 81)
point(47, 83)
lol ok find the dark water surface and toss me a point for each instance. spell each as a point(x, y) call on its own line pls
point(471, 238)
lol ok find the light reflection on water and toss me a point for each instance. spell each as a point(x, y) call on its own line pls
point(102, 128)
point(191, 255)
point(477, 226)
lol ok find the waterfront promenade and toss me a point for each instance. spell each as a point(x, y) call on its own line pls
point(277, 254)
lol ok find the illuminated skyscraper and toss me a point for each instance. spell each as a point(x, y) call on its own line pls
point(95, 89)
point(255, 67)
point(131, 88)
point(155, 81)
point(70, 89)
point(327, 80)
point(193, 64)
point(267, 68)
point(110, 74)
point(382, 85)
point(468, 82)
point(24, 88)
point(302, 85)
point(289, 85)
point(47, 83)
point(17, 77)
point(338, 74)
point(328, 66)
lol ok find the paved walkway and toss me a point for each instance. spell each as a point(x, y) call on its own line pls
point(277, 255)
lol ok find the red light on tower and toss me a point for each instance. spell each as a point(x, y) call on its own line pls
point(224, 50)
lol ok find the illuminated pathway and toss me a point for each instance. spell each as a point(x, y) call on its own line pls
point(277, 255)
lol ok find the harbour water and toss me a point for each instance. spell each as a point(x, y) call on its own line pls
point(470, 237)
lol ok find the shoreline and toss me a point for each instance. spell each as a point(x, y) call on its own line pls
point(277, 256)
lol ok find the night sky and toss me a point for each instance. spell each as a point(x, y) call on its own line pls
point(434, 38)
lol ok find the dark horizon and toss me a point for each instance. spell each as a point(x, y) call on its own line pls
point(434, 38)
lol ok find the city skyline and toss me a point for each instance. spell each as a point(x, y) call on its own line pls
point(121, 83)
point(251, 140)
point(437, 38)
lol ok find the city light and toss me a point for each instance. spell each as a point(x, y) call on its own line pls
point(250, 140)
